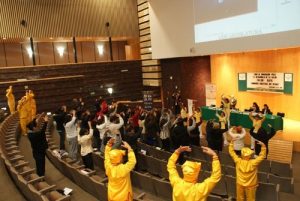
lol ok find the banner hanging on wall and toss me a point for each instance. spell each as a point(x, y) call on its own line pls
point(266, 82)
point(210, 94)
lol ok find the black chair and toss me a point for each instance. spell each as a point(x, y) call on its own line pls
point(267, 192)
point(281, 114)
point(286, 183)
point(163, 189)
point(281, 169)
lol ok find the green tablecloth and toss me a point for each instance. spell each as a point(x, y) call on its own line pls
point(238, 118)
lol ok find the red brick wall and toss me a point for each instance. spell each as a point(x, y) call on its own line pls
point(189, 75)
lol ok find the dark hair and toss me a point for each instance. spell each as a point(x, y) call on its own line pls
point(162, 122)
point(83, 131)
point(113, 118)
point(68, 118)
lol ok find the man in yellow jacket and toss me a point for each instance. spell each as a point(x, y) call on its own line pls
point(187, 188)
point(246, 171)
point(11, 100)
point(119, 183)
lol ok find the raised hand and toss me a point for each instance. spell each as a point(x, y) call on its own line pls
point(183, 149)
point(261, 143)
point(126, 145)
point(46, 118)
point(208, 151)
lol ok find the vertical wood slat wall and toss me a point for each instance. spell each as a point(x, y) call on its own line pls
point(66, 18)
point(151, 69)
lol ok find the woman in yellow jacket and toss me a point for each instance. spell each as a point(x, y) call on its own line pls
point(246, 171)
point(119, 183)
point(11, 100)
point(187, 188)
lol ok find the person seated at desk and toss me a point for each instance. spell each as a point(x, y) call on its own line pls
point(254, 108)
point(266, 110)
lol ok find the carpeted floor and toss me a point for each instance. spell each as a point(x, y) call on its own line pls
point(8, 190)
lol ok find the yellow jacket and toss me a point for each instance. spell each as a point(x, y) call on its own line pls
point(183, 113)
point(11, 100)
point(246, 170)
point(222, 120)
point(119, 183)
point(188, 191)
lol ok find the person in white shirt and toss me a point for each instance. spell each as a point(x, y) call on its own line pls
point(114, 125)
point(165, 124)
point(71, 134)
point(85, 140)
point(102, 127)
point(237, 134)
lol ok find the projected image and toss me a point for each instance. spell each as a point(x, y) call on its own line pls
point(225, 19)
point(210, 10)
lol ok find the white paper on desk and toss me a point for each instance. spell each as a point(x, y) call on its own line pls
point(67, 191)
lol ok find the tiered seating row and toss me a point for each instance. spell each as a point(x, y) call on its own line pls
point(33, 187)
point(268, 177)
point(92, 182)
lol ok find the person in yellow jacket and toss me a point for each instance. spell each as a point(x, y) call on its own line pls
point(246, 171)
point(226, 107)
point(32, 104)
point(11, 100)
point(187, 188)
point(257, 121)
point(22, 115)
point(119, 183)
point(27, 106)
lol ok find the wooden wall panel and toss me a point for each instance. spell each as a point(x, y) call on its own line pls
point(2, 55)
point(26, 58)
point(14, 55)
point(57, 57)
point(45, 53)
point(71, 58)
point(68, 18)
point(88, 51)
point(91, 81)
point(225, 67)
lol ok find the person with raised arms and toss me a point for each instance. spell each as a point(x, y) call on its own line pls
point(188, 188)
point(246, 171)
point(119, 183)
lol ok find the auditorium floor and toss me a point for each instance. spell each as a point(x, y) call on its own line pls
point(8, 190)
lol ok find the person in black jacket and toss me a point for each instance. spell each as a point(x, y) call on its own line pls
point(37, 138)
point(59, 118)
point(179, 134)
point(214, 135)
point(266, 110)
point(263, 136)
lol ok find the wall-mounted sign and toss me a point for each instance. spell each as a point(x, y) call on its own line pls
point(148, 100)
point(266, 82)
point(210, 94)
